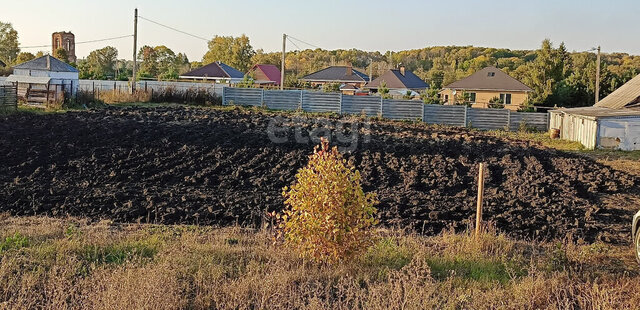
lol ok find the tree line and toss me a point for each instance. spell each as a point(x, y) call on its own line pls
point(558, 77)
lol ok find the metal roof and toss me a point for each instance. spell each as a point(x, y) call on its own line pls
point(46, 63)
point(600, 112)
point(336, 74)
point(270, 71)
point(214, 70)
point(396, 80)
point(489, 78)
point(627, 95)
point(28, 79)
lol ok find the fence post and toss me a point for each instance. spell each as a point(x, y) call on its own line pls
point(508, 120)
point(422, 113)
point(480, 199)
point(341, 94)
point(262, 104)
point(301, 98)
point(223, 99)
point(466, 121)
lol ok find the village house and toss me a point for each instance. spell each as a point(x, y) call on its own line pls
point(349, 79)
point(399, 79)
point(612, 123)
point(265, 75)
point(218, 72)
point(44, 80)
point(399, 82)
point(487, 86)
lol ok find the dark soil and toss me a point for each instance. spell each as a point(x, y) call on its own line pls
point(201, 166)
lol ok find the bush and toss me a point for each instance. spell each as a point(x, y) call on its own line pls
point(329, 218)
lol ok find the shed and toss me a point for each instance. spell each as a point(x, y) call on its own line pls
point(612, 123)
point(217, 72)
point(44, 80)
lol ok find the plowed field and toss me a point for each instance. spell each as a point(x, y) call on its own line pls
point(204, 166)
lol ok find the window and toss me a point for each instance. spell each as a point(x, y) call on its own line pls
point(57, 43)
point(472, 97)
point(491, 74)
point(446, 98)
point(505, 98)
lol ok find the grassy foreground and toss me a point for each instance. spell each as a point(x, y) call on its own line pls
point(69, 264)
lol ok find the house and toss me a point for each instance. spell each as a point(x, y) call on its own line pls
point(399, 80)
point(44, 80)
point(612, 123)
point(218, 72)
point(265, 75)
point(489, 85)
point(343, 75)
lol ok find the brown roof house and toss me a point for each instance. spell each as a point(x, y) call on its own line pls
point(612, 123)
point(489, 85)
point(265, 75)
point(346, 76)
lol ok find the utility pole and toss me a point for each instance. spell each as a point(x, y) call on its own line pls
point(282, 67)
point(135, 46)
point(598, 76)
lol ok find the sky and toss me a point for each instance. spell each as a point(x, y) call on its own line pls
point(372, 25)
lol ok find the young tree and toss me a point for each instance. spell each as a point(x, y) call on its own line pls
point(329, 218)
point(8, 43)
point(383, 90)
point(235, 52)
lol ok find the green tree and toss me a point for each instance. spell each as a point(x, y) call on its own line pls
point(235, 52)
point(61, 54)
point(100, 64)
point(548, 69)
point(8, 43)
point(148, 59)
point(24, 57)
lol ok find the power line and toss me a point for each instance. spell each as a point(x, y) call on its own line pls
point(288, 36)
point(174, 29)
point(294, 43)
point(82, 42)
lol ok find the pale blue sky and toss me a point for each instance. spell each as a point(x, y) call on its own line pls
point(331, 24)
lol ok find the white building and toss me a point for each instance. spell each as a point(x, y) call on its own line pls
point(44, 80)
point(612, 123)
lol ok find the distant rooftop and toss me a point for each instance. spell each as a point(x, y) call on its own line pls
point(214, 70)
point(395, 79)
point(489, 78)
point(337, 74)
point(41, 63)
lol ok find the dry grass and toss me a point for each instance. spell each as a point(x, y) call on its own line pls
point(70, 264)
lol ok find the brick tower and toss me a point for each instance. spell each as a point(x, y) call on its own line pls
point(64, 40)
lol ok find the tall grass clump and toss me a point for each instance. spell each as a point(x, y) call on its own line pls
point(328, 216)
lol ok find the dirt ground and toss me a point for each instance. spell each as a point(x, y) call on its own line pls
point(208, 166)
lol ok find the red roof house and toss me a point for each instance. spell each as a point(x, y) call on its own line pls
point(265, 74)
